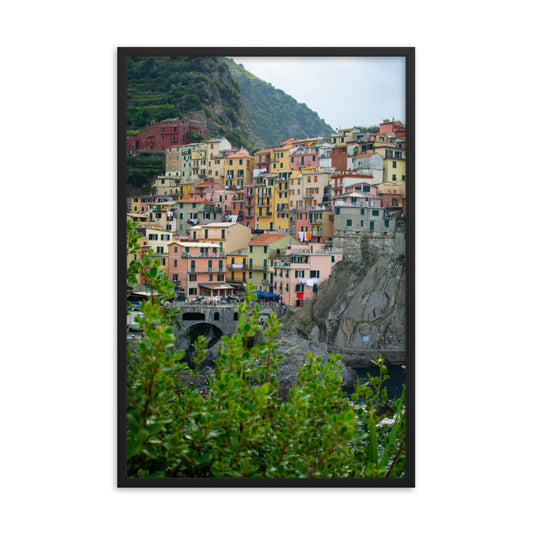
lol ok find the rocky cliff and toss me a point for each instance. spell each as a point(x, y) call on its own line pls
point(359, 312)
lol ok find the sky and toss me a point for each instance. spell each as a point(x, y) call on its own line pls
point(344, 91)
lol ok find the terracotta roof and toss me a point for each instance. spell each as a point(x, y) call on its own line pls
point(268, 238)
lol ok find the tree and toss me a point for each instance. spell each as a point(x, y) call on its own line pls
point(239, 426)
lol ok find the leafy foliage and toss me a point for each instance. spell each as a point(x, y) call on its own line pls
point(239, 426)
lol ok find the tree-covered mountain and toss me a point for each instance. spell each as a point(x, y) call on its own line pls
point(234, 103)
point(274, 115)
point(199, 88)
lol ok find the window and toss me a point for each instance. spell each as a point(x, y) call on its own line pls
point(375, 213)
point(315, 273)
point(394, 177)
point(192, 277)
point(371, 224)
point(165, 237)
point(251, 249)
point(265, 249)
point(220, 277)
point(152, 236)
point(394, 164)
point(387, 223)
point(349, 222)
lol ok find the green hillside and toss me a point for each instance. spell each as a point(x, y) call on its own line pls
point(233, 102)
point(274, 115)
point(199, 88)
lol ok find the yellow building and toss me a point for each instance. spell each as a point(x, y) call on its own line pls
point(280, 201)
point(342, 136)
point(394, 164)
point(237, 265)
point(238, 169)
point(264, 201)
point(280, 159)
point(156, 239)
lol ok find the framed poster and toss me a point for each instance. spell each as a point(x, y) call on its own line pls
point(266, 267)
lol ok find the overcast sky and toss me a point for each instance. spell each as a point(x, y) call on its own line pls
point(344, 91)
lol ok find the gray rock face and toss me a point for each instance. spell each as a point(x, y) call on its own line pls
point(360, 312)
point(294, 349)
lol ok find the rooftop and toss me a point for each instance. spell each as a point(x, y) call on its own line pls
point(267, 238)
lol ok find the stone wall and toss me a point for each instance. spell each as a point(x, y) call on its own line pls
point(365, 247)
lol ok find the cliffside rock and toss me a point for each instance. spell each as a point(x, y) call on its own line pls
point(294, 349)
point(359, 312)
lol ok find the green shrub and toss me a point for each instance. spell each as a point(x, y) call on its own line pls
point(238, 426)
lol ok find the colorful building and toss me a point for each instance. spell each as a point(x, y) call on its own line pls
point(162, 135)
point(237, 265)
point(198, 269)
point(262, 251)
point(313, 225)
point(299, 273)
point(228, 236)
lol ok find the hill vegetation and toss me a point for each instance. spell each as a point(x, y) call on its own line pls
point(199, 88)
point(274, 115)
point(233, 102)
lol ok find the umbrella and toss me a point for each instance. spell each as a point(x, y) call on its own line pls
point(259, 293)
point(269, 295)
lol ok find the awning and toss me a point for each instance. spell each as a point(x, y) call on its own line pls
point(215, 286)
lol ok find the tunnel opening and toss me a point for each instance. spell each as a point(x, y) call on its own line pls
point(212, 334)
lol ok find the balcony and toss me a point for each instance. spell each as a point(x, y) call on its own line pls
point(198, 255)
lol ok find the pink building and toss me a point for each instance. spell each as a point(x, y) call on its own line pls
point(304, 157)
point(198, 269)
point(391, 127)
point(162, 135)
point(314, 225)
point(297, 277)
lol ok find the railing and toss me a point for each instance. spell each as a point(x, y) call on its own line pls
point(218, 255)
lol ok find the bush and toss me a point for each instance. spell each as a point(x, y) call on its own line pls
point(238, 426)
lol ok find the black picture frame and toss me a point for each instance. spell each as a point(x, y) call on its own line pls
point(122, 55)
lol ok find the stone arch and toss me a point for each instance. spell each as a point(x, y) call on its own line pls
point(210, 331)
